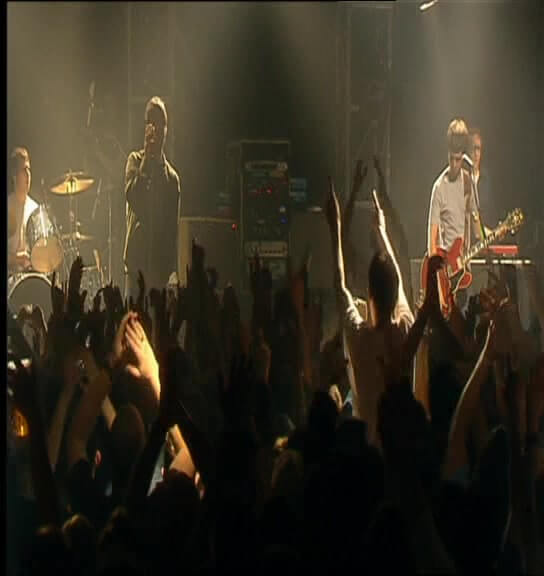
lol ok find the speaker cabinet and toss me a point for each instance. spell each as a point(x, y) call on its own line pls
point(220, 240)
point(309, 230)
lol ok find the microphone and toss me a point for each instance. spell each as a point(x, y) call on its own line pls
point(467, 159)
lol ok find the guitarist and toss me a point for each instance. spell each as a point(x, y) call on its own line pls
point(452, 208)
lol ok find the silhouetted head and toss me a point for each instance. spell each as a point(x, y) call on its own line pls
point(383, 288)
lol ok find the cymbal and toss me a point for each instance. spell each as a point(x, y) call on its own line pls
point(72, 183)
point(77, 237)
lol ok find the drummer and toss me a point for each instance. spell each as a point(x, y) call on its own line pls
point(20, 207)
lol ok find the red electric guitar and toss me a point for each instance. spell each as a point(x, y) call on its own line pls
point(455, 276)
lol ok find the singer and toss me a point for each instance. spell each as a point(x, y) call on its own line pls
point(153, 196)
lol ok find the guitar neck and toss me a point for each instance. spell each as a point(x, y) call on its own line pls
point(475, 249)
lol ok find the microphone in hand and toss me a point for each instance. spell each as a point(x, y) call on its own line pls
point(468, 161)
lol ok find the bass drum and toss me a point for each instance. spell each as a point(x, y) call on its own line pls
point(46, 253)
point(26, 289)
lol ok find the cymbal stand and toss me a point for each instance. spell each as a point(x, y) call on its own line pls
point(73, 249)
point(109, 235)
point(56, 229)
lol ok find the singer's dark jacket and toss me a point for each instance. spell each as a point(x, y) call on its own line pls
point(153, 196)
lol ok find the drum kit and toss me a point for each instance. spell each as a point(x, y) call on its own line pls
point(52, 251)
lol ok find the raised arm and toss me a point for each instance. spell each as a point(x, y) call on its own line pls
point(71, 379)
point(332, 212)
point(431, 307)
point(88, 409)
point(23, 382)
point(402, 308)
point(456, 454)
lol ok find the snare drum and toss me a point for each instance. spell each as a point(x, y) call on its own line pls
point(44, 244)
point(25, 289)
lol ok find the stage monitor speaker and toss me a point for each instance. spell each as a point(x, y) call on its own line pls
point(220, 240)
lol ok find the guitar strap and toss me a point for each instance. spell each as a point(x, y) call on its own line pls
point(466, 185)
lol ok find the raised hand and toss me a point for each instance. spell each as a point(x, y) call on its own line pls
point(197, 257)
point(144, 365)
point(332, 207)
point(79, 368)
point(57, 298)
point(297, 288)
point(432, 296)
point(157, 300)
point(96, 326)
point(76, 300)
point(118, 351)
point(236, 398)
point(380, 217)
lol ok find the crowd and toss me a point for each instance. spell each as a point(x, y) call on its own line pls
point(167, 434)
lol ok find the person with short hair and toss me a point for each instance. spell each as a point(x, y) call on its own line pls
point(153, 196)
point(452, 212)
point(20, 207)
point(375, 332)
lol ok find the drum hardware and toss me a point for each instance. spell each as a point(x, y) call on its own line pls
point(99, 267)
point(72, 183)
point(91, 281)
point(109, 235)
point(77, 237)
point(46, 251)
point(108, 189)
point(30, 288)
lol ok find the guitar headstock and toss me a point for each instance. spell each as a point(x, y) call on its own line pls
point(512, 223)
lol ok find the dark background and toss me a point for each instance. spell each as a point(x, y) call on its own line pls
point(232, 71)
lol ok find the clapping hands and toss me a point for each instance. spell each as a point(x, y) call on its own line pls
point(142, 363)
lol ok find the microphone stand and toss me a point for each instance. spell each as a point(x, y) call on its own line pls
point(475, 195)
point(109, 235)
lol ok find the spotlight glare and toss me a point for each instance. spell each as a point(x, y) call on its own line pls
point(426, 5)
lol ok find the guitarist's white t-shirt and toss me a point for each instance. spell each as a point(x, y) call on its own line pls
point(448, 209)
